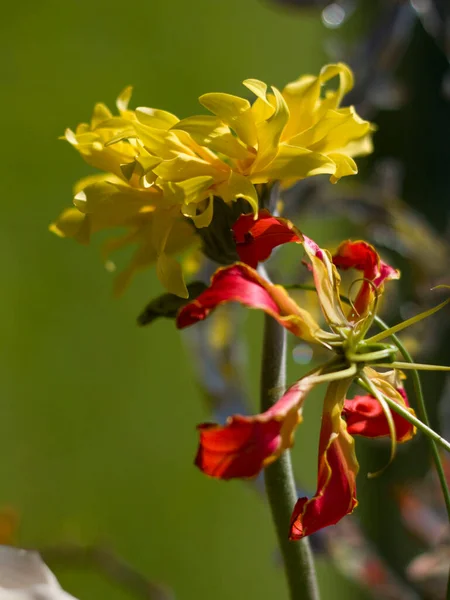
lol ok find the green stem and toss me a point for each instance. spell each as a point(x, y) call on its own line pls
point(423, 414)
point(279, 477)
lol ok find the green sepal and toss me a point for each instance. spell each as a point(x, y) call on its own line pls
point(168, 305)
point(217, 239)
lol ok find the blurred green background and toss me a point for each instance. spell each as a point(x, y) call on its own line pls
point(97, 425)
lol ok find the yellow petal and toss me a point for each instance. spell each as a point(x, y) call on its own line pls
point(301, 97)
point(147, 161)
point(327, 282)
point(345, 79)
point(238, 186)
point(269, 133)
point(189, 191)
point(114, 123)
point(233, 111)
point(202, 216)
point(153, 117)
point(101, 113)
point(170, 274)
point(161, 226)
point(159, 142)
point(361, 147)
point(184, 166)
point(180, 236)
point(93, 146)
point(211, 132)
point(101, 177)
point(115, 204)
point(345, 165)
point(334, 131)
point(123, 98)
point(72, 224)
point(293, 164)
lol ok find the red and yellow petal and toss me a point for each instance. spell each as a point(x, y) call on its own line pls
point(256, 238)
point(376, 425)
point(365, 416)
point(363, 257)
point(240, 283)
point(327, 282)
point(336, 486)
point(245, 445)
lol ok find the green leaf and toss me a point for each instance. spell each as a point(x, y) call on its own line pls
point(167, 305)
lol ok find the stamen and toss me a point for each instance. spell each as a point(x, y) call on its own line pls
point(363, 325)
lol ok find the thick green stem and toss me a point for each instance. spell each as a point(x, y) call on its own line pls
point(279, 478)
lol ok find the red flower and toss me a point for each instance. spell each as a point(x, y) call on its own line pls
point(247, 444)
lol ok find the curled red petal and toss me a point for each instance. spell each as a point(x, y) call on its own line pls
point(358, 255)
point(256, 238)
point(238, 449)
point(363, 257)
point(245, 445)
point(241, 283)
point(365, 416)
point(336, 486)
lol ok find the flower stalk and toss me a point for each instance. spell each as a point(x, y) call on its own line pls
point(279, 478)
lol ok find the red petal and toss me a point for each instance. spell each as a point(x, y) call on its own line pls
point(336, 487)
point(358, 255)
point(363, 257)
point(255, 239)
point(245, 445)
point(365, 416)
point(241, 283)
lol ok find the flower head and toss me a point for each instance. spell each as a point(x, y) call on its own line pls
point(245, 445)
point(161, 174)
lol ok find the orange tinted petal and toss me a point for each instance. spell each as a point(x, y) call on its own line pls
point(255, 239)
point(240, 283)
point(336, 486)
point(245, 445)
point(363, 257)
point(365, 416)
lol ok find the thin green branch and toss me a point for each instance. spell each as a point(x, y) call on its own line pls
point(389, 331)
point(414, 366)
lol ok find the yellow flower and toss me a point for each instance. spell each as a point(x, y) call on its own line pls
point(125, 197)
point(283, 136)
point(162, 174)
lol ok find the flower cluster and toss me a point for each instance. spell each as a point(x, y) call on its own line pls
point(245, 445)
point(169, 182)
point(160, 174)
